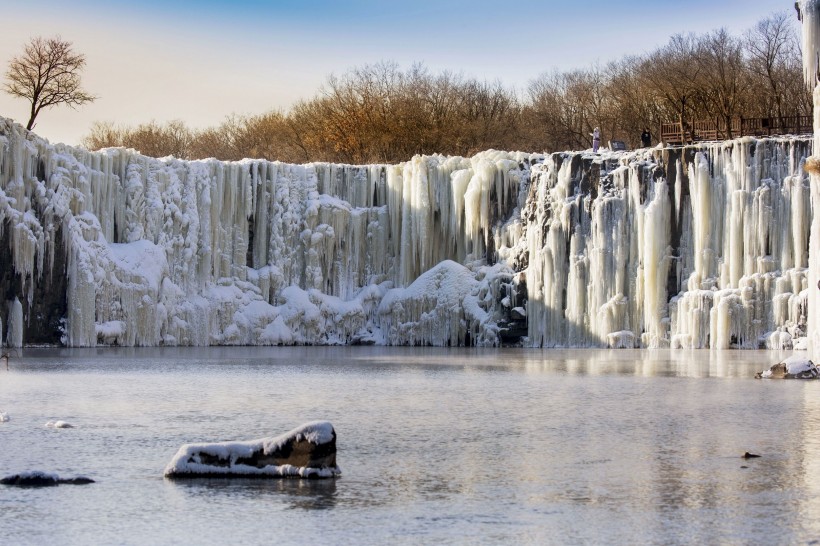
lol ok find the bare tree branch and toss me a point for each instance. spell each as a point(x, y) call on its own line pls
point(47, 74)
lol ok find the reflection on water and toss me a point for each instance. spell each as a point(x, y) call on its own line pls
point(296, 494)
point(651, 363)
point(640, 362)
point(478, 446)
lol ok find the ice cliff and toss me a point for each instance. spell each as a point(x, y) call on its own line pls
point(704, 246)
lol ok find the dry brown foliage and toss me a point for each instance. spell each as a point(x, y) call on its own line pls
point(380, 113)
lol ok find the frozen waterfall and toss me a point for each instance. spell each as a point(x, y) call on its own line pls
point(809, 13)
point(703, 246)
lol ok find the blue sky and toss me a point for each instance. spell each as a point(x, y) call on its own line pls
point(202, 60)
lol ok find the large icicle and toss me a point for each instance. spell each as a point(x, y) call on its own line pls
point(809, 13)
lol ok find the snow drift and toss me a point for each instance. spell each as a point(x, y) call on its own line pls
point(704, 246)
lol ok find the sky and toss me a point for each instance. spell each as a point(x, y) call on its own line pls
point(200, 61)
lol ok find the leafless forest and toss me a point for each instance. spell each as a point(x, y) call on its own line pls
point(383, 113)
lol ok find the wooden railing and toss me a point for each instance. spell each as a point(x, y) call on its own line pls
point(683, 133)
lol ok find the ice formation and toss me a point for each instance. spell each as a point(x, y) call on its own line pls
point(703, 246)
point(706, 251)
point(809, 13)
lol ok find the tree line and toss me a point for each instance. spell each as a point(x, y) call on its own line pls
point(382, 113)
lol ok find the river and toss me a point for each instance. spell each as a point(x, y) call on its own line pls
point(437, 446)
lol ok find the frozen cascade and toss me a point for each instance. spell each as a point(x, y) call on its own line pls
point(620, 255)
point(809, 13)
point(163, 251)
point(705, 246)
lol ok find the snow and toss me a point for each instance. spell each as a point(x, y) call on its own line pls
point(187, 459)
point(433, 309)
point(795, 365)
point(438, 250)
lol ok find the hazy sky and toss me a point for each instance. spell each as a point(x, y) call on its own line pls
point(199, 61)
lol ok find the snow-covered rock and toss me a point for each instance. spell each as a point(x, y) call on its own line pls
point(58, 424)
point(793, 367)
point(308, 451)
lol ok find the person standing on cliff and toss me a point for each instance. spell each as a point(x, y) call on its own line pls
point(646, 138)
point(596, 139)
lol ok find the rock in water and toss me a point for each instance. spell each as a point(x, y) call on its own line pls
point(34, 478)
point(308, 451)
point(38, 478)
point(79, 480)
point(794, 367)
point(58, 424)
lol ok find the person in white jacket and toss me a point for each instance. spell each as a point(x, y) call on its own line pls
point(596, 139)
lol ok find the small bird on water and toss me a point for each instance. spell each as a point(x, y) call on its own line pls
point(748, 455)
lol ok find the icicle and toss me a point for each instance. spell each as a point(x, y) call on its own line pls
point(809, 13)
point(15, 321)
point(655, 259)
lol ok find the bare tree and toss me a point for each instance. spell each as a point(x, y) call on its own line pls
point(152, 139)
point(771, 46)
point(381, 113)
point(725, 84)
point(47, 74)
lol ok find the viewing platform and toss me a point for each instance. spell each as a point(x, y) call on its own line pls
point(679, 133)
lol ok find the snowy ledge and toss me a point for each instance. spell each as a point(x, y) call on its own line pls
point(308, 451)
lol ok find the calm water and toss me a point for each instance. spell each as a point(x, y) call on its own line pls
point(437, 447)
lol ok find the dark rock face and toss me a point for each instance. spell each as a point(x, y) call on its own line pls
point(42, 479)
point(48, 306)
point(305, 452)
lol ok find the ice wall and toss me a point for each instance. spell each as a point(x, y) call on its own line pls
point(162, 251)
point(809, 13)
point(704, 246)
point(698, 247)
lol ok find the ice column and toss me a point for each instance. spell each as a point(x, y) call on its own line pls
point(15, 336)
point(809, 13)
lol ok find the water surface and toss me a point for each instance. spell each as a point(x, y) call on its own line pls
point(436, 446)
